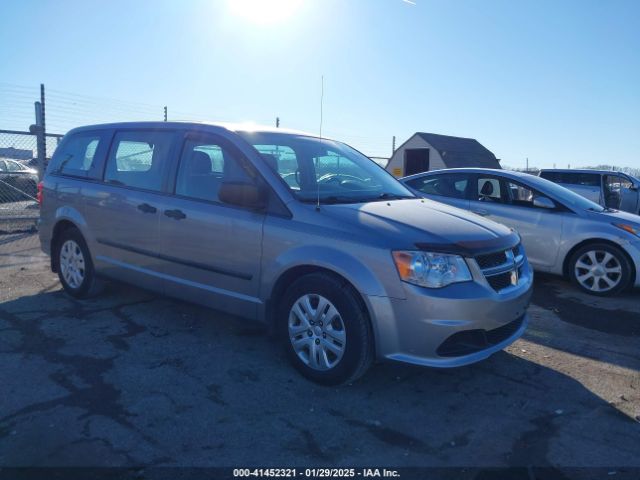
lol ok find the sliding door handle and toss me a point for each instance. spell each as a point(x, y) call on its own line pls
point(146, 208)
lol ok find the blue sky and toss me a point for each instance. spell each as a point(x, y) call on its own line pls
point(554, 81)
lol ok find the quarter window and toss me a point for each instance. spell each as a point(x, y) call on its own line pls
point(138, 159)
point(77, 156)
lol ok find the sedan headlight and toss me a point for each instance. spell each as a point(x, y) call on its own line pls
point(632, 229)
point(429, 269)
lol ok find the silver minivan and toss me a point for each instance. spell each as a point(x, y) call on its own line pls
point(344, 263)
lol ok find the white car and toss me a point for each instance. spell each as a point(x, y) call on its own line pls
point(562, 232)
point(609, 189)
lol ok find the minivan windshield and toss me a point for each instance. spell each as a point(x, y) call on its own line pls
point(325, 170)
point(566, 196)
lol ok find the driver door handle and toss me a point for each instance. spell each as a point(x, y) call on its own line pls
point(481, 212)
point(175, 214)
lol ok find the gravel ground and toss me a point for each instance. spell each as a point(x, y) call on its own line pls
point(133, 379)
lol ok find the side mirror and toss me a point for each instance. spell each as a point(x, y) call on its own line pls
point(242, 194)
point(544, 202)
point(633, 188)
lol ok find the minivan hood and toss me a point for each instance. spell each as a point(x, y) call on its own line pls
point(427, 224)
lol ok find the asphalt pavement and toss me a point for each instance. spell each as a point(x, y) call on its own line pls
point(133, 379)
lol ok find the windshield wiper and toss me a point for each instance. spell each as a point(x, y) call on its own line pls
point(392, 196)
point(332, 199)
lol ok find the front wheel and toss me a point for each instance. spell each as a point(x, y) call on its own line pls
point(325, 329)
point(600, 269)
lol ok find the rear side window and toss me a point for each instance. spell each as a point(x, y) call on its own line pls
point(138, 159)
point(78, 156)
point(584, 179)
point(555, 177)
point(573, 178)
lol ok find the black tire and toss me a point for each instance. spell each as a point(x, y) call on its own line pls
point(623, 279)
point(358, 351)
point(90, 284)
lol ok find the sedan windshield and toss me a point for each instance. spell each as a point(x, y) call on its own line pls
point(331, 172)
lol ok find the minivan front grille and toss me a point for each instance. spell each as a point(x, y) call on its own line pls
point(491, 260)
point(502, 269)
point(500, 281)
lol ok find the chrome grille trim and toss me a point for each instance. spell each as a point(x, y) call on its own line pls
point(513, 262)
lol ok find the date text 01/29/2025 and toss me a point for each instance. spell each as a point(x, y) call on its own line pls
point(315, 473)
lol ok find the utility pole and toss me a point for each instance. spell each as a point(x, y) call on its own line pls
point(527, 164)
point(277, 122)
point(165, 113)
point(393, 145)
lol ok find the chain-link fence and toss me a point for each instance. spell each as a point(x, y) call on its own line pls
point(19, 174)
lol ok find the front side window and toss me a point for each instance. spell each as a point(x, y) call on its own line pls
point(204, 165)
point(283, 161)
point(489, 190)
point(138, 159)
point(76, 156)
point(324, 170)
point(452, 186)
point(521, 195)
point(616, 183)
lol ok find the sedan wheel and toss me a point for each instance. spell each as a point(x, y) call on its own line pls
point(600, 269)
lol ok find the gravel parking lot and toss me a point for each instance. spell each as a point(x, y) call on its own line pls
point(132, 379)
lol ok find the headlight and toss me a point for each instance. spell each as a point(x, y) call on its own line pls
point(432, 270)
point(628, 228)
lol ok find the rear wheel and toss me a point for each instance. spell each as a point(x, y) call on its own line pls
point(600, 269)
point(75, 268)
point(325, 329)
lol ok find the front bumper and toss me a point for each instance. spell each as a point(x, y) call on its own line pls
point(633, 250)
point(450, 327)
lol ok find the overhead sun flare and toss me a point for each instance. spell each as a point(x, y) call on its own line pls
point(264, 12)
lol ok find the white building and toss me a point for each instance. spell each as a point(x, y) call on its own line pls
point(429, 151)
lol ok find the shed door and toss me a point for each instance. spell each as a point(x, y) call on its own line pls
point(416, 160)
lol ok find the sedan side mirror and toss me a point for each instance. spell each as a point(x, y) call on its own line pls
point(544, 202)
point(242, 194)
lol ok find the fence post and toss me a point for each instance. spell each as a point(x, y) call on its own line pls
point(38, 130)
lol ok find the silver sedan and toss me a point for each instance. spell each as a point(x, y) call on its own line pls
point(562, 232)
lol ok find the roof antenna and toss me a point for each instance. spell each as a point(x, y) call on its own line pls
point(318, 159)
